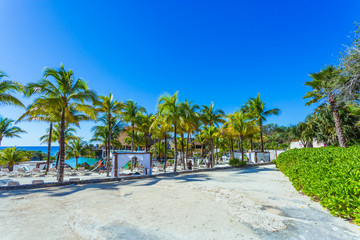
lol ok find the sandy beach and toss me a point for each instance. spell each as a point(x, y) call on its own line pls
point(250, 203)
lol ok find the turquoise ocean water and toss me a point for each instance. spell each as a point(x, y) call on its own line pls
point(53, 152)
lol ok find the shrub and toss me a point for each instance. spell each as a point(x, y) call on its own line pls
point(235, 162)
point(330, 175)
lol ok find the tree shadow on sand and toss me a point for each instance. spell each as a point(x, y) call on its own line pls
point(60, 191)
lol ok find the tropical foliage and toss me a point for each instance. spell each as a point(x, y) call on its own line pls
point(330, 175)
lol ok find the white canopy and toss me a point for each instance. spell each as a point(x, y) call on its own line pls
point(120, 159)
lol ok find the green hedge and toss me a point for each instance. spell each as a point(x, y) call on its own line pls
point(235, 162)
point(329, 174)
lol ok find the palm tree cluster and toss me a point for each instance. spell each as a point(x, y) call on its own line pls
point(62, 101)
point(335, 90)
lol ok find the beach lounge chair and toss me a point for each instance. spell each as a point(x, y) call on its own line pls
point(52, 172)
point(21, 172)
point(37, 172)
point(4, 172)
point(83, 171)
point(68, 172)
point(160, 167)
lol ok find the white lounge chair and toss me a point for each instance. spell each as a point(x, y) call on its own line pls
point(83, 171)
point(37, 172)
point(52, 172)
point(4, 172)
point(21, 172)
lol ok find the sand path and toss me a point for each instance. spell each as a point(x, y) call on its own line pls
point(251, 203)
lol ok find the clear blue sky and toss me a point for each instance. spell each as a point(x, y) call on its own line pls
point(221, 51)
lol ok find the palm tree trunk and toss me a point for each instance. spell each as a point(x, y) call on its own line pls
point(49, 149)
point(229, 148)
point(261, 138)
point(62, 147)
point(146, 143)
point(133, 137)
point(155, 149)
point(212, 153)
point(187, 147)
point(165, 154)
point(0, 140)
point(109, 144)
point(338, 125)
point(175, 150)
point(251, 144)
point(242, 148)
point(132, 145)
point(239, 144)
point(159, 149)
point(183, 150)
point(76, 161)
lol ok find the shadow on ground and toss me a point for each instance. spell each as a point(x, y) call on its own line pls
point(60, 191)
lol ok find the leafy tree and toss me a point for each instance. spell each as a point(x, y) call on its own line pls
point(11, 156)
point(243, 126)
point(169, 108)
point(7, 88)
point(62, 89)
point(130, 112)
point(256, 108)
point(78, 148)
point(109, 107)
point(211, 132)
point(7, 130)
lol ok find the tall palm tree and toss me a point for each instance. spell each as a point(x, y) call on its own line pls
point(211, 132)
point(11, 156)
point(210, 116)
point(40, 111)
point(256, 108)
point(168, 107)
point(78, 148)
point(109, 106)
point(322, 85)
point(7, 130)
point(62, 89)
point(7, 88)
point(138, 138)
point(243, 126)
point(161, 127)
point(130, 111)
point(189, 121)
point(101, 133)
point(144, 125)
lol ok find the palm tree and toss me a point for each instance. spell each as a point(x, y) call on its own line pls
point(101, 134)
point(7, 130)
point(256, 108)
point(210, 116)
point(189, 121)
point(169, 108)
point(109, 106)
point(41, 112)
point(78, 148)
point(11, 156)
point(322, 85)
point(138, 139)
point(211, 132)
point(67, 93)
point(130, 112)
point(144, 125)
point(228, 132)
point(243, 126)
point(161, 127)
point(7, 88)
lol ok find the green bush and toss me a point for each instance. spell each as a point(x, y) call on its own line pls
point(235, 162)
point(330, 175)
